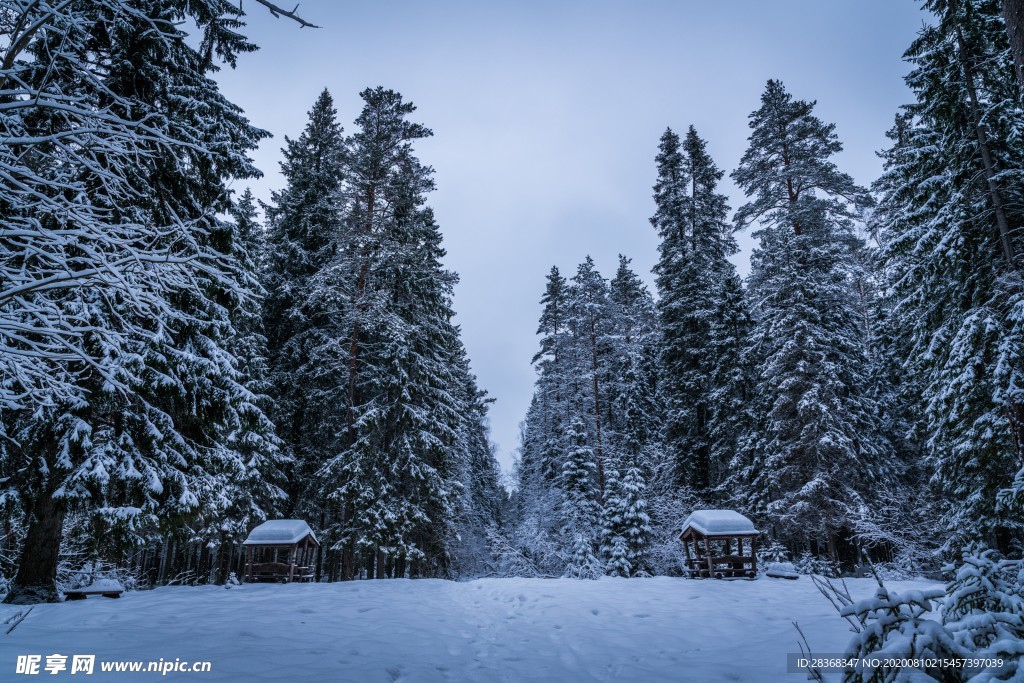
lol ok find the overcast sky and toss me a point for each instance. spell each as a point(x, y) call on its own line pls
point(546, 119)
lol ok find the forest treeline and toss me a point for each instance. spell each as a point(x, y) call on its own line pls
point(859, 395)
point(179, 363)
point(174, 372)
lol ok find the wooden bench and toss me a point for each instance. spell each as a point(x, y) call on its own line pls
point(85, 592)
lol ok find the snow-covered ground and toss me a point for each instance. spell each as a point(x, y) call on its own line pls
point(659, 629)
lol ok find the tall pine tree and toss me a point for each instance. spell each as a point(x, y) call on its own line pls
point(812, 451)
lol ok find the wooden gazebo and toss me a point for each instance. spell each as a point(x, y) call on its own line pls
point(718, 538)
point(281, 550)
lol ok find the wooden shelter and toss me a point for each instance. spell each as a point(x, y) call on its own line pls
point(281, 550)
point(718, 539)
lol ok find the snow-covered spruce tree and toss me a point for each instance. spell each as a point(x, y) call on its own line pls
point(901, 529)
point(554, 384)
point(693, 276)
point(950, 198)
point(811, 452)
point(393, 483)
point(634, 409)
point(627, 526)
point(633, 421)
point(590, 322)
point(251, 490)
point(579, 507)
point(304, 308)
point(145, 442)
point(536, 524)
point(73, 145)
point(731, 378)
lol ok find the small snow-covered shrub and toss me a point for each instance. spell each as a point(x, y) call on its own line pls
point(977, 616)
point(618, 562)
point(770, 554)
point(812, 564)
point(893, 571)
point(527, 550)
point(583, 564)
point(984, 607)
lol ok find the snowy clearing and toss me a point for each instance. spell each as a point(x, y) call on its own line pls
point(658, 629)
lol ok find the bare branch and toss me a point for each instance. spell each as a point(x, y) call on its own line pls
point(279, 12)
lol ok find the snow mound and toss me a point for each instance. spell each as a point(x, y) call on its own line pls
point(104, 585)
point(719, 523)
point(279, 532)
point(782, 570)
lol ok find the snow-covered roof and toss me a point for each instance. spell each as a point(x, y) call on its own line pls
point(279, 532)
point(719, 523)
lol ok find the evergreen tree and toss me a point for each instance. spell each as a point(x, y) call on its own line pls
point(949, 196)
point(554, 383)
point(626, 525)
point(395, 478)
point(155, 429)
point(812, 450)
point(579, 507)
point(589, 320)
point(303, 306)
point(693, 277)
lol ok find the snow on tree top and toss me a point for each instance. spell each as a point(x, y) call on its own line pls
point(279, 532)
point(719, 523)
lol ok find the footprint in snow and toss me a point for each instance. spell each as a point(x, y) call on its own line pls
point(363, 610)
point(595, 612)
point(394, 673)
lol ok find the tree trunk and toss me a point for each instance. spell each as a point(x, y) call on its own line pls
point(400, 567)
point(1013, 13)
point(36, 580)
point(995, 196)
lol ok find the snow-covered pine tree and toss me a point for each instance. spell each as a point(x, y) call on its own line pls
point(634, 408)
point(633, 421)
point(553, 384)
point(693, 276)
point(627, 526)
point(950, 195)
point(811, 452)
point(536, 525)
point(145, 441)
point(394, 479)
point(590, 322)
point(74, 145)
point(303, 308)
point(729, 396)
point(579, 507)
point(251, 490)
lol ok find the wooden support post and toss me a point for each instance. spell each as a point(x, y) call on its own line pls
point(711, 565)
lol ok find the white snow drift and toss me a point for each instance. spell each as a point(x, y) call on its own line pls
point(659, 629)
